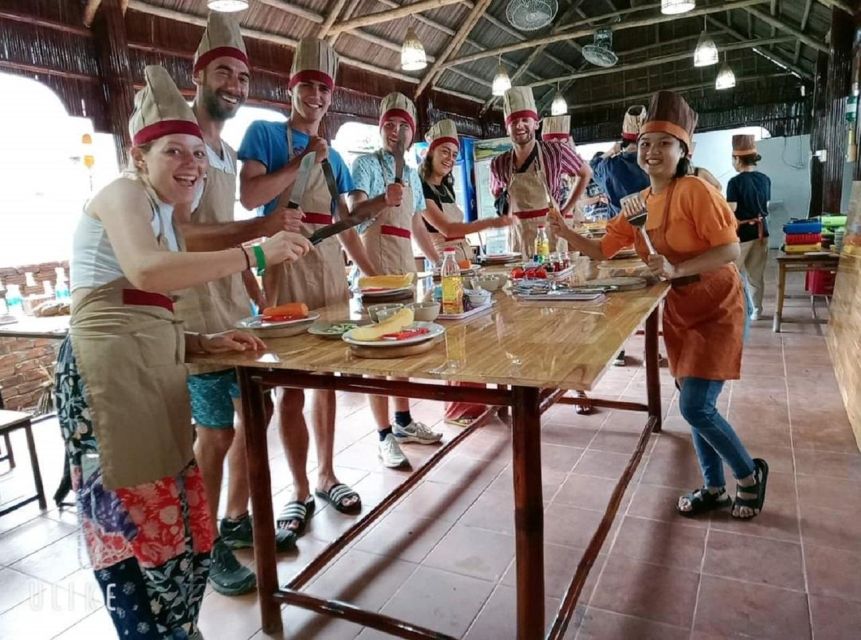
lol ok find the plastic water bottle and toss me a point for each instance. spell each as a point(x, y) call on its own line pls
point(542, 245)
point(61, 291)
point(14, 300)
point(452, 284)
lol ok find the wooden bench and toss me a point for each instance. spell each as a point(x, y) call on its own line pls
point(12, 421)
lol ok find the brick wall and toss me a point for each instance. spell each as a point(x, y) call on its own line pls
point(27, 365)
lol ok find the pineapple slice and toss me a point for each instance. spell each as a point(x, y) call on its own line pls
point(393, 324)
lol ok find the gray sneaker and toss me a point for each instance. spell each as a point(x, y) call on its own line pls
point(228, 576)
point(415, 432)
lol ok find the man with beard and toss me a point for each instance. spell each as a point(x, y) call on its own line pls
point(221, 74)
point(529, 177)
point(271, 154)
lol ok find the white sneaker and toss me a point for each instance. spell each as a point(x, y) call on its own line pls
point(754, 316)
point(416, 432)
point(390, 453)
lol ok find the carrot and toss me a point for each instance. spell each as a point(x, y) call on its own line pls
point(290, 309)
point(464, 264)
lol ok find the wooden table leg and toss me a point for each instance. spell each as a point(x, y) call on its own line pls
point(781, 293)
point(255, 420)
point(653, 376)
point(528, 512)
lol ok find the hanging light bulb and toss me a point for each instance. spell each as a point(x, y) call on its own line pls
point(227, 6)
point(413, 55)
point(501, 81)
point(706, 52)
point(725, 77)
point(673, 7)
point(558, 107)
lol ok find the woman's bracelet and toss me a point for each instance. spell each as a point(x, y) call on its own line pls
point(261, 259)
point(247, 257)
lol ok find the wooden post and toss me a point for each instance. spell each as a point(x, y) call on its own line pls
point(528, 512)
point(112, 50)
point(653, 375)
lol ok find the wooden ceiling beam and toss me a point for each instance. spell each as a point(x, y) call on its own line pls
point(330, 19)
point(774, 58)
point(296, 10)
point(90, 10)
point(677, 57)
point(453, 45)
point(679, 89)
point(808, 5)
point(348, 12)
point(839, 4)
point(387, 16)
point(782, 26)
point(589, 30)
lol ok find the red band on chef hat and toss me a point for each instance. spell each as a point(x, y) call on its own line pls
point(399, 113)
point(220, 52)
point(555, 136)
point(442, 140)
point(311, 75)
point(523, 113)
point(630, 137)
point(165, 128)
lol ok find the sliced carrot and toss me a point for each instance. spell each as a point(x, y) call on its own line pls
point(292, 309)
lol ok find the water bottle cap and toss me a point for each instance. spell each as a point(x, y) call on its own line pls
point(540, 226)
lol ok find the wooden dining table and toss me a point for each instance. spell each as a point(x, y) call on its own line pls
point(527, 355)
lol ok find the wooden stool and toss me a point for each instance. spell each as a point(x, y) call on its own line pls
point(9, 422)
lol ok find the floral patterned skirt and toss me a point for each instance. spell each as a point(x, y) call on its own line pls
point(149, 544)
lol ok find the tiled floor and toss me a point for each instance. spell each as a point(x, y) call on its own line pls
point(444, 556)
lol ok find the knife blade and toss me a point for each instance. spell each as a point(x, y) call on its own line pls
point(301, 180)
point(334, 229)
point(400, 150)
point(329, 174)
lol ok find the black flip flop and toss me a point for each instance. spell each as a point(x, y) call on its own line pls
point(296, 511)
point(336, 494)
point(760, 472)
point(702, 501)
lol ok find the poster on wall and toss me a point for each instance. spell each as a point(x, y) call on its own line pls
point(495, 240)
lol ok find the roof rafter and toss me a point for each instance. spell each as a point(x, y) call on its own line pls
point(782, 26)
point(386, 16)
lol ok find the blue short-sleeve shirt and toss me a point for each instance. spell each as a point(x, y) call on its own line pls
point(372, 176)
point(266, 142)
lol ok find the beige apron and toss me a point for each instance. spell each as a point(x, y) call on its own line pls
point(452, 213)
point(388, 241)
point(218, 305)
point(529, 198)
point(320, 277)
point(130, 351)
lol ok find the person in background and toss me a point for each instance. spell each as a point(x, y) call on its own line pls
point(693, 231)
point(221, 74)
point(748, 194)
point(271, 153)
point(445, 221)
point(527, 180)
point(144, 515)
point(702, 172)
point(388, 243)
point(447, 225)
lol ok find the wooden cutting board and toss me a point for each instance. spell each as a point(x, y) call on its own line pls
point(385, 353)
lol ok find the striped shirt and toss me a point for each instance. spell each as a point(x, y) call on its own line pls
point(559, 159)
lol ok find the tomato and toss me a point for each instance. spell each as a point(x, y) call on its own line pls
point(407, 333)
point(540, 273)
point(518, 272)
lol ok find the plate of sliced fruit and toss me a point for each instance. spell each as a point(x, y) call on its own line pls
point(397, 330)
point(281, 321)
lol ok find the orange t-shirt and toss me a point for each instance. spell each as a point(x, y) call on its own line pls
point(699, 219)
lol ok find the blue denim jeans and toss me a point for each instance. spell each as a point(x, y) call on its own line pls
point(715, 441)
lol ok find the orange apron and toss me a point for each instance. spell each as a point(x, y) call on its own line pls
point(320, 278)
point(703, 316)
point(452, 213)
point(217, 305)
point(530, 198)
point(388, 240)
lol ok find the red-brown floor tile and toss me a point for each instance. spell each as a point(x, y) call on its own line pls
point(669, 545)
point(659, 503)
point(602, 464)
point(96, 625)
point(560, 564)
point(615, 441)
point(472, 552)
point(660, 594)
point(301, 624)
point(834, 572)
point(457, 469)
point(829, 493)
point(834, 618)
point(673, 465)
point(229, 616)
point(598, 624)
point(827, 464)
point(587, 492)
point(754, 559)
point(570, 526)
point(555, 457)
point(30, 537)
point(738, 609)
point(437, 500)
point(828, 528)
point(777, 520)
point(498, 618)
point(493, 511)
point(404, 536)
point(443, 601)
point(16, 587)
point(567, 435)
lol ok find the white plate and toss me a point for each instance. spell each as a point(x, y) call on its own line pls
point(502, 258)
point(258, 323)
point(324, 329)
point(384, 292)
point(436, 330)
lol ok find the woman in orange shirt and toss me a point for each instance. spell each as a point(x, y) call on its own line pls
point(693, 232)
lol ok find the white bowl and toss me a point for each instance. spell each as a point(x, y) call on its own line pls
point(425, 311)
point(379, 312)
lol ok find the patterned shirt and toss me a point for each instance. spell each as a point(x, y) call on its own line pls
point(559, 159)
point(370, 176)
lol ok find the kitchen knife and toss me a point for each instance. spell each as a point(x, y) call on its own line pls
point(301, 180)
point(334, 229)
point(400, 150)
point(329, 174)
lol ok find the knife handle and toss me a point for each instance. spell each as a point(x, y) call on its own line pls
point(292, 205)
point(398, 180)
